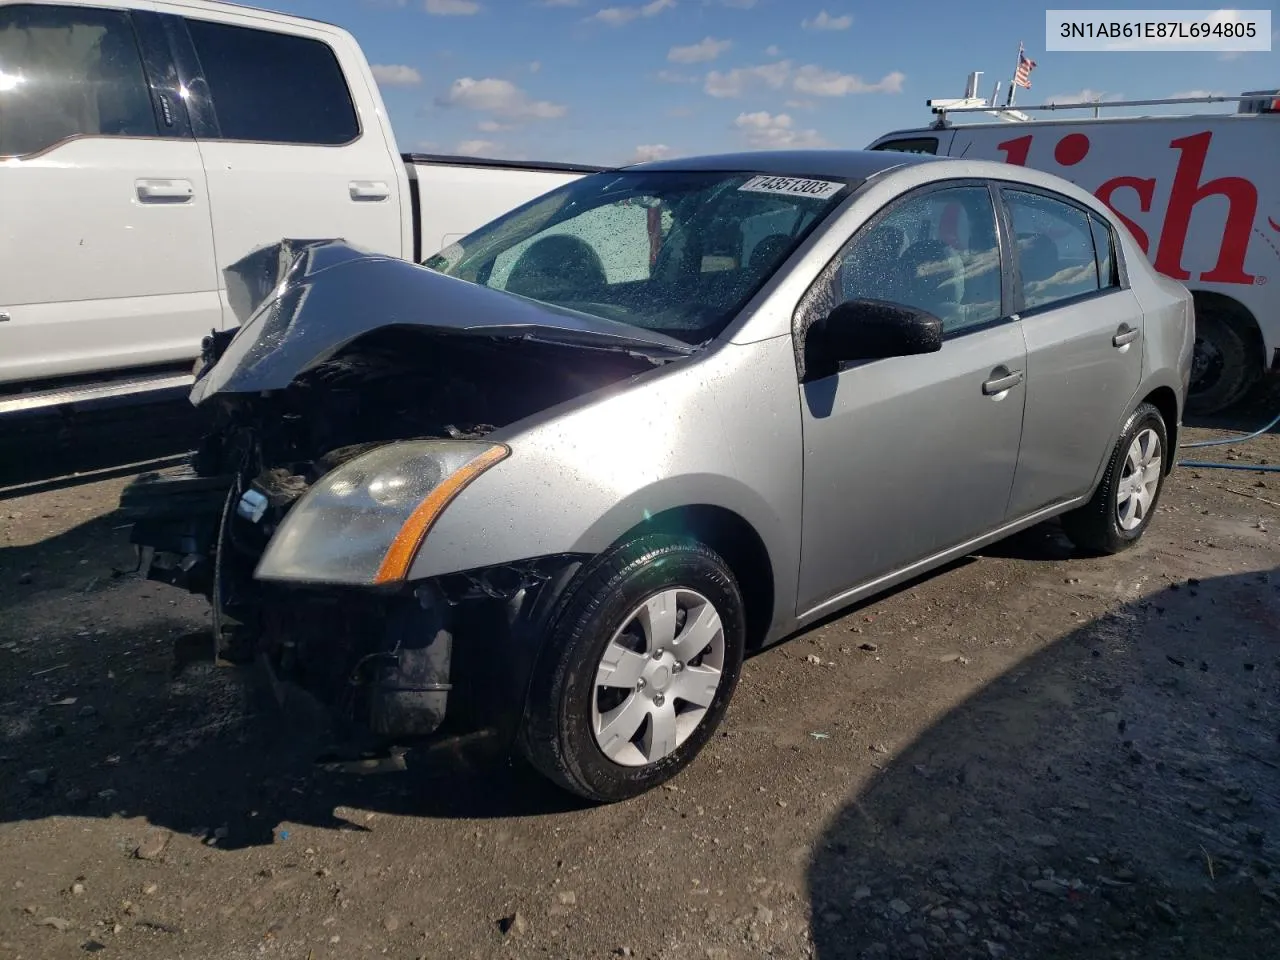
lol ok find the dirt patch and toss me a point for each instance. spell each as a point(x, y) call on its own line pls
point(1030, 754)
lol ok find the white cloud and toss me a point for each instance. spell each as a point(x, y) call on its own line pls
point(617, 16)
point(452, 8)
point(500, 97)
point(492, 126)
point(473, 148)
point(708, 48)
point(395, 75)
point(650, 151)
point(772, 50)
point(1197, 94)
point(818, 82)
point(800, 105)
point(1087, 95)
point(535, 66)
point(767, 131)
point(675, 76)
point(825, 21)
point(735, 82)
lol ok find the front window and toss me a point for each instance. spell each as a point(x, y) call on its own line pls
point(671, 251)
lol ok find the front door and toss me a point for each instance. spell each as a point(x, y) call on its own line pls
point(106, 248)
point(907, 456)
point(286, 152)
point(1084, 346)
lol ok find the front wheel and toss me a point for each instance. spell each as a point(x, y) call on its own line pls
point(1125, 501)
point(638, 670)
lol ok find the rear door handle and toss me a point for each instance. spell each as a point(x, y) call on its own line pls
point(368, 190)
point(164, 191)
point(1001, 384)
point(1125, 335)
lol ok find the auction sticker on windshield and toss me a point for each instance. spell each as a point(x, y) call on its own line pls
point(792, 187)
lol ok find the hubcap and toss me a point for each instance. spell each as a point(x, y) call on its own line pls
point(657, 677)
point(1138, 480)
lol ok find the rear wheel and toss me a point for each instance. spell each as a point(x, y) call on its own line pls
point(638, 670)
point(1222, 369)
point(1125, 501)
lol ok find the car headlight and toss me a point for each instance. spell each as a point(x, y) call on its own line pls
point(363, 522)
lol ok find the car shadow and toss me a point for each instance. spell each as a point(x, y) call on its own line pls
point(1115, 795)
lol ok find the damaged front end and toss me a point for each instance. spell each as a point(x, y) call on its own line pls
point(349, 366)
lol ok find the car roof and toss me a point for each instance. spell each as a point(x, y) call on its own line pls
point(838, 164)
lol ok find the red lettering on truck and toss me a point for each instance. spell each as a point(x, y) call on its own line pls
point(1186, 192)
point(1242, 200)
point(1145, 188)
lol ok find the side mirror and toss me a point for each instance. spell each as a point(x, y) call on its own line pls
point(869, 330)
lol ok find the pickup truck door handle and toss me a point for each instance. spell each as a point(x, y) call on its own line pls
point(368, 190)
point(164, 191)
point(1125, 335)
point(1001, 383)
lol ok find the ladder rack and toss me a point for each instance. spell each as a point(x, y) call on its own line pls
point(1018, 114)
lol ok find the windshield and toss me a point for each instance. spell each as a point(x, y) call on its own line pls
point(671, 251)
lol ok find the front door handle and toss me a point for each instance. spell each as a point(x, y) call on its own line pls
point(1002, 383)
point(368, 190)
point(1125, 335)
point(164, 191)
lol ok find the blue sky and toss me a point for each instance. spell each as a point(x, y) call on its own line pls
point(610, 81)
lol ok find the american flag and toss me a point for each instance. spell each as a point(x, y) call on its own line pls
point(1022, 77)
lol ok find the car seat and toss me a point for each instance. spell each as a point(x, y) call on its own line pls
point(558, 264)
point(931, 277)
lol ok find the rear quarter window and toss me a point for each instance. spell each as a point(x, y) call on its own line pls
point(274, 87)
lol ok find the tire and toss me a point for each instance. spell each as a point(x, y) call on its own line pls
point(1223, 370)
point(1101, 525)
point(566, 707)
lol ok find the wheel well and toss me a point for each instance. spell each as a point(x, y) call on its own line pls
point(729, 535)
point(1164, 400)
point(1240, 318)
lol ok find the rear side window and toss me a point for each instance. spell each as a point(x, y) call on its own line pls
point(915, 145)
point(1056, 255)
point(69, 72)
point(274, 87)
point(1104, 248)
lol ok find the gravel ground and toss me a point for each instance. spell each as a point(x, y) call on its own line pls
point(1027, 755)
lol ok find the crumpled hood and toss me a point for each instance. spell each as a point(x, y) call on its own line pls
point(306, 299)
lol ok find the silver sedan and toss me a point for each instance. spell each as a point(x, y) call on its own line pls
point(560, 479)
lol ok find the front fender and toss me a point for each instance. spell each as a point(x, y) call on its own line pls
point(720, 430)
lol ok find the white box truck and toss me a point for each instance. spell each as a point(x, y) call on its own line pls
point(1198, 191)
point(148, 148)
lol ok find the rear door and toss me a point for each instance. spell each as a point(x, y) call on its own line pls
point(1083, 328)
point(291, 146)
point(106, 249)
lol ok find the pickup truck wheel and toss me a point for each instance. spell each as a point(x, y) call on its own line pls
point(638, 670)
point(1221, 368)
point(1125, 501)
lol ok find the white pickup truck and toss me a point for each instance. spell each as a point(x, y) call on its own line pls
point(150, 147)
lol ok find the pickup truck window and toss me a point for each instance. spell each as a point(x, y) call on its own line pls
point(676, 252)
point(274, 87)
point(69, 72)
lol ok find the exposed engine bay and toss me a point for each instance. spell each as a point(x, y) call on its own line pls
point(382, 657)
